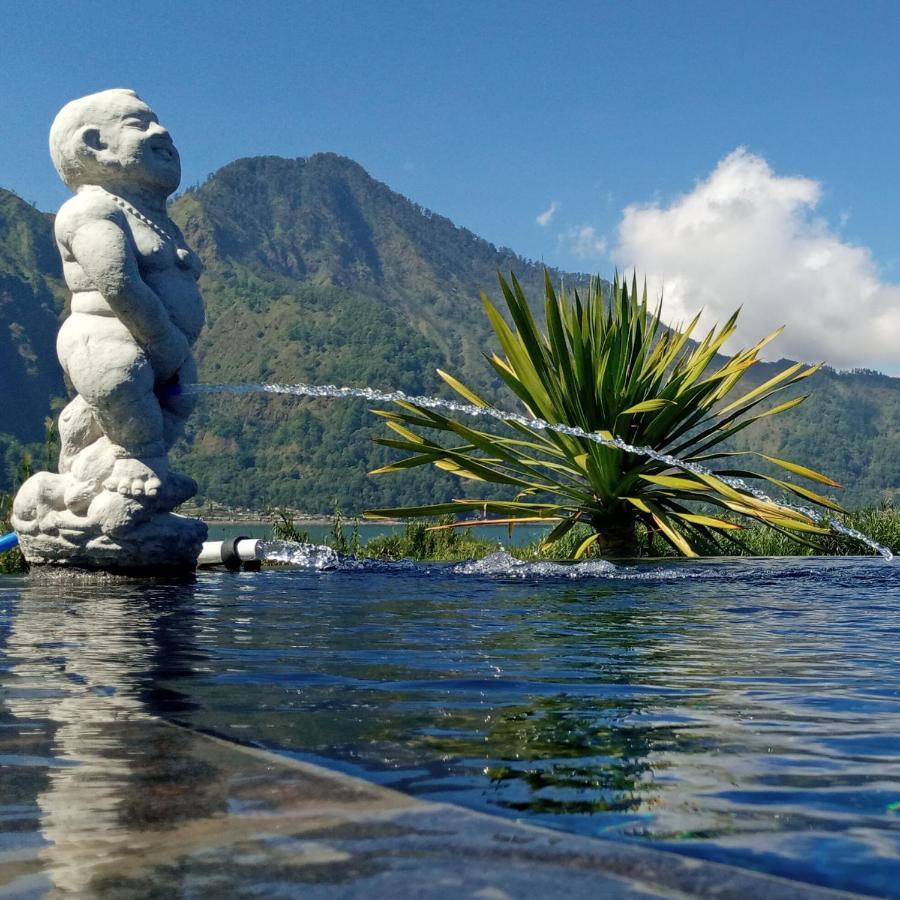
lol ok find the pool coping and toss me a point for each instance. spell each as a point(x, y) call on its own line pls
point(143, 807)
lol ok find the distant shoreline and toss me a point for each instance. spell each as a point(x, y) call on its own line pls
point(300, 519)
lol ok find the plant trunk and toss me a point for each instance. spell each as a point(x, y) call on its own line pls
point(617, 537)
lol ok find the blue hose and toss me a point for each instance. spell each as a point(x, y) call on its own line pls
point(8, 542)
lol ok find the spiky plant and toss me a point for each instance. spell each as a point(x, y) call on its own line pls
point(615, 369)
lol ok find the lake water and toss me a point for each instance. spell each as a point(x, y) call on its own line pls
point(746, 711)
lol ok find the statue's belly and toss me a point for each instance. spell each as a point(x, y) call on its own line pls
point(179, 293)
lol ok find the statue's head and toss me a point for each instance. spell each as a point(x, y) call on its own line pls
point(113, 137)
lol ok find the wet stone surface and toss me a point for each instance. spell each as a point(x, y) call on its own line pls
point(150, 809)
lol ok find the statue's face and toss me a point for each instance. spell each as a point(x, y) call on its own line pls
point(141, 146)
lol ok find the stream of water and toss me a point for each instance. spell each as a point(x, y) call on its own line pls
point(331, 391)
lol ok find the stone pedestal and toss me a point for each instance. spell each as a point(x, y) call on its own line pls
point(127, 535)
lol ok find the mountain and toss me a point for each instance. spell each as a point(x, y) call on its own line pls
point(267, 225)
point(849, 427)
point(316, 272)
point(32, 296)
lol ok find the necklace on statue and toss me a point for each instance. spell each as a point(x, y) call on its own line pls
point(182, 255)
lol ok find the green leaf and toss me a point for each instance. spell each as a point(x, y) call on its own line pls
point(647, 406)
point(586, 544)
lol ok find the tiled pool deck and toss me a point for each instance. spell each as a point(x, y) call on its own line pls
point(188, 815)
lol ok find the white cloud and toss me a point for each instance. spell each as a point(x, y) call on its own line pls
point(583, 242)
point(547, 215)
point(746, 236)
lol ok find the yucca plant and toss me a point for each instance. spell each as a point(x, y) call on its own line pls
point(611, 367)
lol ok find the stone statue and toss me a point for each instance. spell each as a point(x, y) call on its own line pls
point(125, 348)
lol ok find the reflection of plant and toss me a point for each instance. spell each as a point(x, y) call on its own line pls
point(613, 369)
point(546, 758)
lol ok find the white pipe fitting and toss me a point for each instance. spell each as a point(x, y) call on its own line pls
point(231, 554)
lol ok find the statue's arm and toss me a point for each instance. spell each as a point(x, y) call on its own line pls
point(105, 256)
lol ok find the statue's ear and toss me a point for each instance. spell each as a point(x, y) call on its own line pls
point(89, 137)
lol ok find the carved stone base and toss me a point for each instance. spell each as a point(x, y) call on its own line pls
point(117, 534)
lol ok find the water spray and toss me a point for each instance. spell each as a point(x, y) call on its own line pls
point(331, 391)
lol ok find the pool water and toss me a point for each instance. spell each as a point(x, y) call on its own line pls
point(746, 711)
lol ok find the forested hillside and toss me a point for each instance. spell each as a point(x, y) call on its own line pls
point(316, 272)
point(31, 299)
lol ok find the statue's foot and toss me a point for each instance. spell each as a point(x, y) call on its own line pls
point(136, 478)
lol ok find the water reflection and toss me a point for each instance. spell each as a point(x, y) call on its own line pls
point(751, 711)
point(84, 664)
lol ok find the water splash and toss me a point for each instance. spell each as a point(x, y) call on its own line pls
point(316, 557)
point(506, 565)
point(331, 391)
point(321, 558)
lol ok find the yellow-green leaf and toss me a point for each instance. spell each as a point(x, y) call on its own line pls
point(675, 536)
point(646, 406)
point(448, 465)
point(808, 494)
point(585, 545)
point(405, 432)
point(801, 470)
point(460, 388)
point(797, 525)
point(708, 521)
point(675, 481)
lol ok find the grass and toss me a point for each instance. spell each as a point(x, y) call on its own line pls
point(881, 523)
point(11, 562)
point(419, 541)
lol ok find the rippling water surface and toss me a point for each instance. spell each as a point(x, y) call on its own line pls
point(744, 711)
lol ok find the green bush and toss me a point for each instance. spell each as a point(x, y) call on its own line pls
point(612, 368)
point(429, 540)
point(12, 562)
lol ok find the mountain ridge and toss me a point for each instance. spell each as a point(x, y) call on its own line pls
point(317, 272)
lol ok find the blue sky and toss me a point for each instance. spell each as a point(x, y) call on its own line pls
point(622, 118)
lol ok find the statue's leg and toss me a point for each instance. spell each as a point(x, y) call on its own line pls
point(112, 373)
point(78, 428)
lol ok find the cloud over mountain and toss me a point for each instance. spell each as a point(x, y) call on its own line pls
point(583, 242)
point(747, 236)
point(547, 215)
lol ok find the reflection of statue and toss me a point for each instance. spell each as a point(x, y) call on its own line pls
point(84, 667)
point(135, 314)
